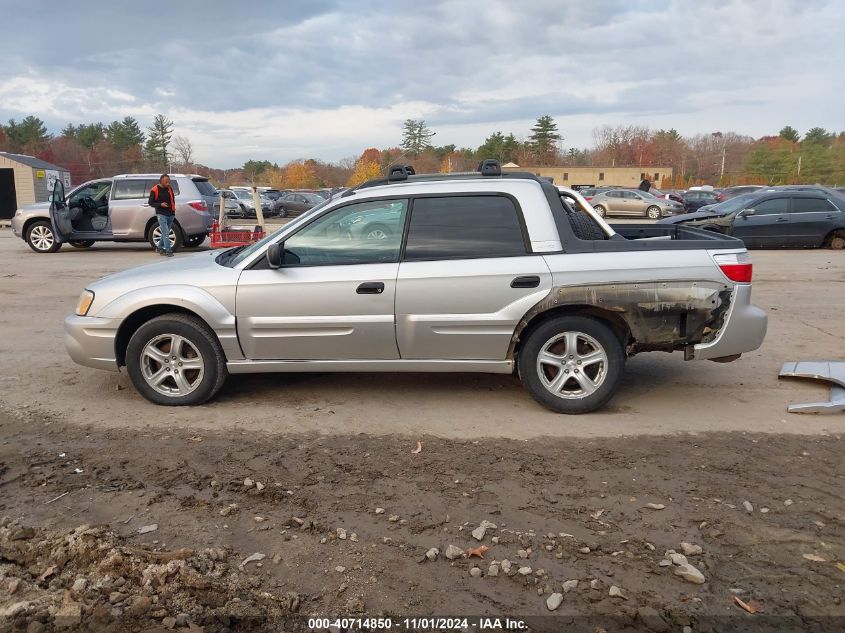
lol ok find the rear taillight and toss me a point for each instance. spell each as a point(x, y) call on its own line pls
point(198, 205)
point(735, 266)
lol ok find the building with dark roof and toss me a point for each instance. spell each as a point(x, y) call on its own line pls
point(25, 180)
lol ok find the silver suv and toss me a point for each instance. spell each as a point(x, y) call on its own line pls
point(116, 210)
point(476, 273)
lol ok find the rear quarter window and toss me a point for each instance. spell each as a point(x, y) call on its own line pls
point(205, 188)
point(464, 227)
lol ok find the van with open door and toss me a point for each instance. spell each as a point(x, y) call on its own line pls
point(115, 210)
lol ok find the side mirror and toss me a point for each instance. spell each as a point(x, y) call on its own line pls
point(747, 212)
point(275, 254)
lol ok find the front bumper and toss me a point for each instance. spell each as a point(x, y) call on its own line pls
point(90, 341)
point(743, 330)
point(17, 225)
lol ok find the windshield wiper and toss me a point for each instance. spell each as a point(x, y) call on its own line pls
point(225, 256)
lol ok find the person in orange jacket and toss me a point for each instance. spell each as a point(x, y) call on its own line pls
point(164, 202)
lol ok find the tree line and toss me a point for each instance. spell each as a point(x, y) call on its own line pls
point(95, 150)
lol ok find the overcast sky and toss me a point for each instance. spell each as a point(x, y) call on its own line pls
point(284, 80)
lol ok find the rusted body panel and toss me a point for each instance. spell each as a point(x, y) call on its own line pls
point(662, 315)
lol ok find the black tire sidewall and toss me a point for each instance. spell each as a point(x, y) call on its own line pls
point(194, 331)
point(541, 334)
point(56, 244)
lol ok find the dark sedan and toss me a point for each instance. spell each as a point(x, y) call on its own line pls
point(779, 218)
point(296, 202)
point(694, 200)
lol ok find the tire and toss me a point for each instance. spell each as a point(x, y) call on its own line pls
point(600, 210)
point(653, 212)
point(837, 241)
point(585, 227)
point(195, 240)
point(82, 243)
point(283, 213)
point(553, 339)
point(176, 238)
point(40, 237)
point(150, 351)
point(376, 232)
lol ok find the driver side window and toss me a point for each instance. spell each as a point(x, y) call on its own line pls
point(363, 233)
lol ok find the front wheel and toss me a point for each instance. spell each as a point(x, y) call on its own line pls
point(175, 236)
point(600, 210)
point(653, 212)
point(175, 360)
point(572, 364)
point(41, 238)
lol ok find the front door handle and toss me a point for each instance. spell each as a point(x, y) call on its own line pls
point(782, 220)
point(531, 281)
point(371, 288)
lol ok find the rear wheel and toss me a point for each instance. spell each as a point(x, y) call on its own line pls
point(175, 360)
point(600, 210)
point(837, 241)
point(82, 243)
point(653, 212)
point(41, 238)
point(572, 364)
point(175, 236)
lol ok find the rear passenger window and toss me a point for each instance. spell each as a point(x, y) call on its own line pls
point(131, 189)
point(203, 186)
point(138, 189)
point(464, 227)
point(812, 205)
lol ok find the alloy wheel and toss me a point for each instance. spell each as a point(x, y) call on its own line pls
point(42, 237)
point(172, 365)
point(572, 365)
point(376, 234)
point(170, 236)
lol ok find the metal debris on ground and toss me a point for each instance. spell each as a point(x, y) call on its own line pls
point(829, 371)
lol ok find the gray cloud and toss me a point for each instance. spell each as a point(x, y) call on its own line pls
point(245, 77)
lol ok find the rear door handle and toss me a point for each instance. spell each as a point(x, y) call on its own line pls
point(531, 281)
point(782, 220)
point(371, 288)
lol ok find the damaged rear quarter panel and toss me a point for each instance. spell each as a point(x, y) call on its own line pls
point(666, 314)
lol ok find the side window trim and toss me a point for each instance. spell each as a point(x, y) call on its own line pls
point(526, 240)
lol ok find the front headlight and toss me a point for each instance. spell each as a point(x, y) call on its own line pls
point(84, 303)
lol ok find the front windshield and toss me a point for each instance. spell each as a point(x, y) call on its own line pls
point(249, 251)
point(734, 204)
point(240, 193)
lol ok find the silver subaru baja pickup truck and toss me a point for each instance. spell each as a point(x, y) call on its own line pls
point(480, 272)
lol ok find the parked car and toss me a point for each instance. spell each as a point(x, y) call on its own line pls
point(694, 200)
point(473, 274)
point(231, 203)
point(296, 203)
point(589, 192)
point(787, 217)
point(246, 204)
point(732, 192)
point(115, 210)
point(634, 202)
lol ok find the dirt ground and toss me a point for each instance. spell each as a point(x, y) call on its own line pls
point(316, 474)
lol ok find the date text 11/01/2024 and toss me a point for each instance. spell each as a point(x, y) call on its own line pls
point(418, 624)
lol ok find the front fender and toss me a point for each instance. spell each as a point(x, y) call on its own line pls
point(206, 306)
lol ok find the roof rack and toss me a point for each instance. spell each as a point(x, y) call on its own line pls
point(487, 168)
